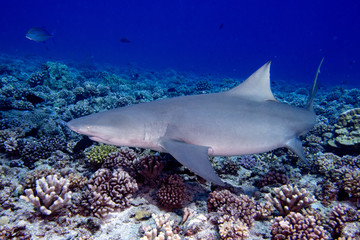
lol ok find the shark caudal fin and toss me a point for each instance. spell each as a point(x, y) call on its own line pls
point(309, 104)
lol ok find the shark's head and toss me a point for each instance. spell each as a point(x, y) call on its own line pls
point(92, 126)
point(104, 127)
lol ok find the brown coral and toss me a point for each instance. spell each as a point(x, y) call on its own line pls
point(271, 178)
point(239, 207)
point(118, 185)
point(297, 226)
point(123, 158)
point(172, 192)
point(347, 130)
point(107, 192)
point(290, 199)
point(150, 168)
point(232, 229)
point(340, 216)
point(327, 191)
point(351, 183)
point(325, 162)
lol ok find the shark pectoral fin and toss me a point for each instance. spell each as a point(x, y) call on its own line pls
point(295, 145)
point(194, 157)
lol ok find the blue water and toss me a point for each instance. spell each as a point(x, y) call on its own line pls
point(231, 37)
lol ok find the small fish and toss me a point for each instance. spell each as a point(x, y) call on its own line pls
point(38, 34)
point(125, 40)
point(221, 26)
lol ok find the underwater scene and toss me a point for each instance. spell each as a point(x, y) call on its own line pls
point(180, 119)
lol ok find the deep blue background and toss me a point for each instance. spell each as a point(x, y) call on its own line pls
point(185, 35)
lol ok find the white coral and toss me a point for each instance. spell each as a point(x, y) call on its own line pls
point(51, 194)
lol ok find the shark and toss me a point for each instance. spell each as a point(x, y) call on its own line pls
point(246, 119)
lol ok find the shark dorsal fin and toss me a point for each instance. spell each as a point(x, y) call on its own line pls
point(257, 86)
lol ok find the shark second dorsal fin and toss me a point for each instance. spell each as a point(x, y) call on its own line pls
point(257, 86)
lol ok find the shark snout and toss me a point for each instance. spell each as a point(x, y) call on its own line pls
point(75, 126)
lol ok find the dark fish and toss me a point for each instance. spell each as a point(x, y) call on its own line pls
point(38, 34)
point(221, 26)
point(82, 144)
point(34, 99)
point(125, 40)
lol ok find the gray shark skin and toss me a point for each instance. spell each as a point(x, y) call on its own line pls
point(244, 120)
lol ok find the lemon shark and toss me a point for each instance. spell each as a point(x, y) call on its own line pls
point(246, 119)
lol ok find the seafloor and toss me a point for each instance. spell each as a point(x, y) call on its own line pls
point(56, 184)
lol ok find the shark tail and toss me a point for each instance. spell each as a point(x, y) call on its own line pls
point(309, 104)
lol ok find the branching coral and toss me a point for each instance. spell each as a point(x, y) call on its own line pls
point(297, 226)
point(232, 229)
point(150, 168)
point(271, 178)
point(16, 232)
point(347, 130)
point(108, 191)
point(326, 162)
point(263, 210)
point(290, 199)
point(123, 158)
point(172, 192)
point(239, 207)
point(118, 185)
point(164, 229)
point(51, 194)
point(351, 183)
point(340, 216)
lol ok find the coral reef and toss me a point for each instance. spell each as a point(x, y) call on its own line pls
point(98, 154)
point(163, 230)
point(297, 226)
point(231, 228)
point(347, 130)
point(272, 178)
point(51, 194)
point(121, 158)
point(59, 76)
point(150, 167)
point(351, 183)
point(37, 78)
point(108, 191)
point(15, 232)
point(340, 216)
point(171, 194)
point(228, 205)
point(247, 161)
point(326, 162)
point(38, 97)
point(290, 199)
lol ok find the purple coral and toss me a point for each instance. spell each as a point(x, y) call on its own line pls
point(247, 161)
point(238, 207)
point(172, 192)
point(297, 226)
point(108, 191)
point(290, 199)
point(118, 185)
point(124, 158)
point(150, 167)
point(272, 178)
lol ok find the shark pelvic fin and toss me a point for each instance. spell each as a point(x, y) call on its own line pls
point(256, 87)
point(193, 157)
